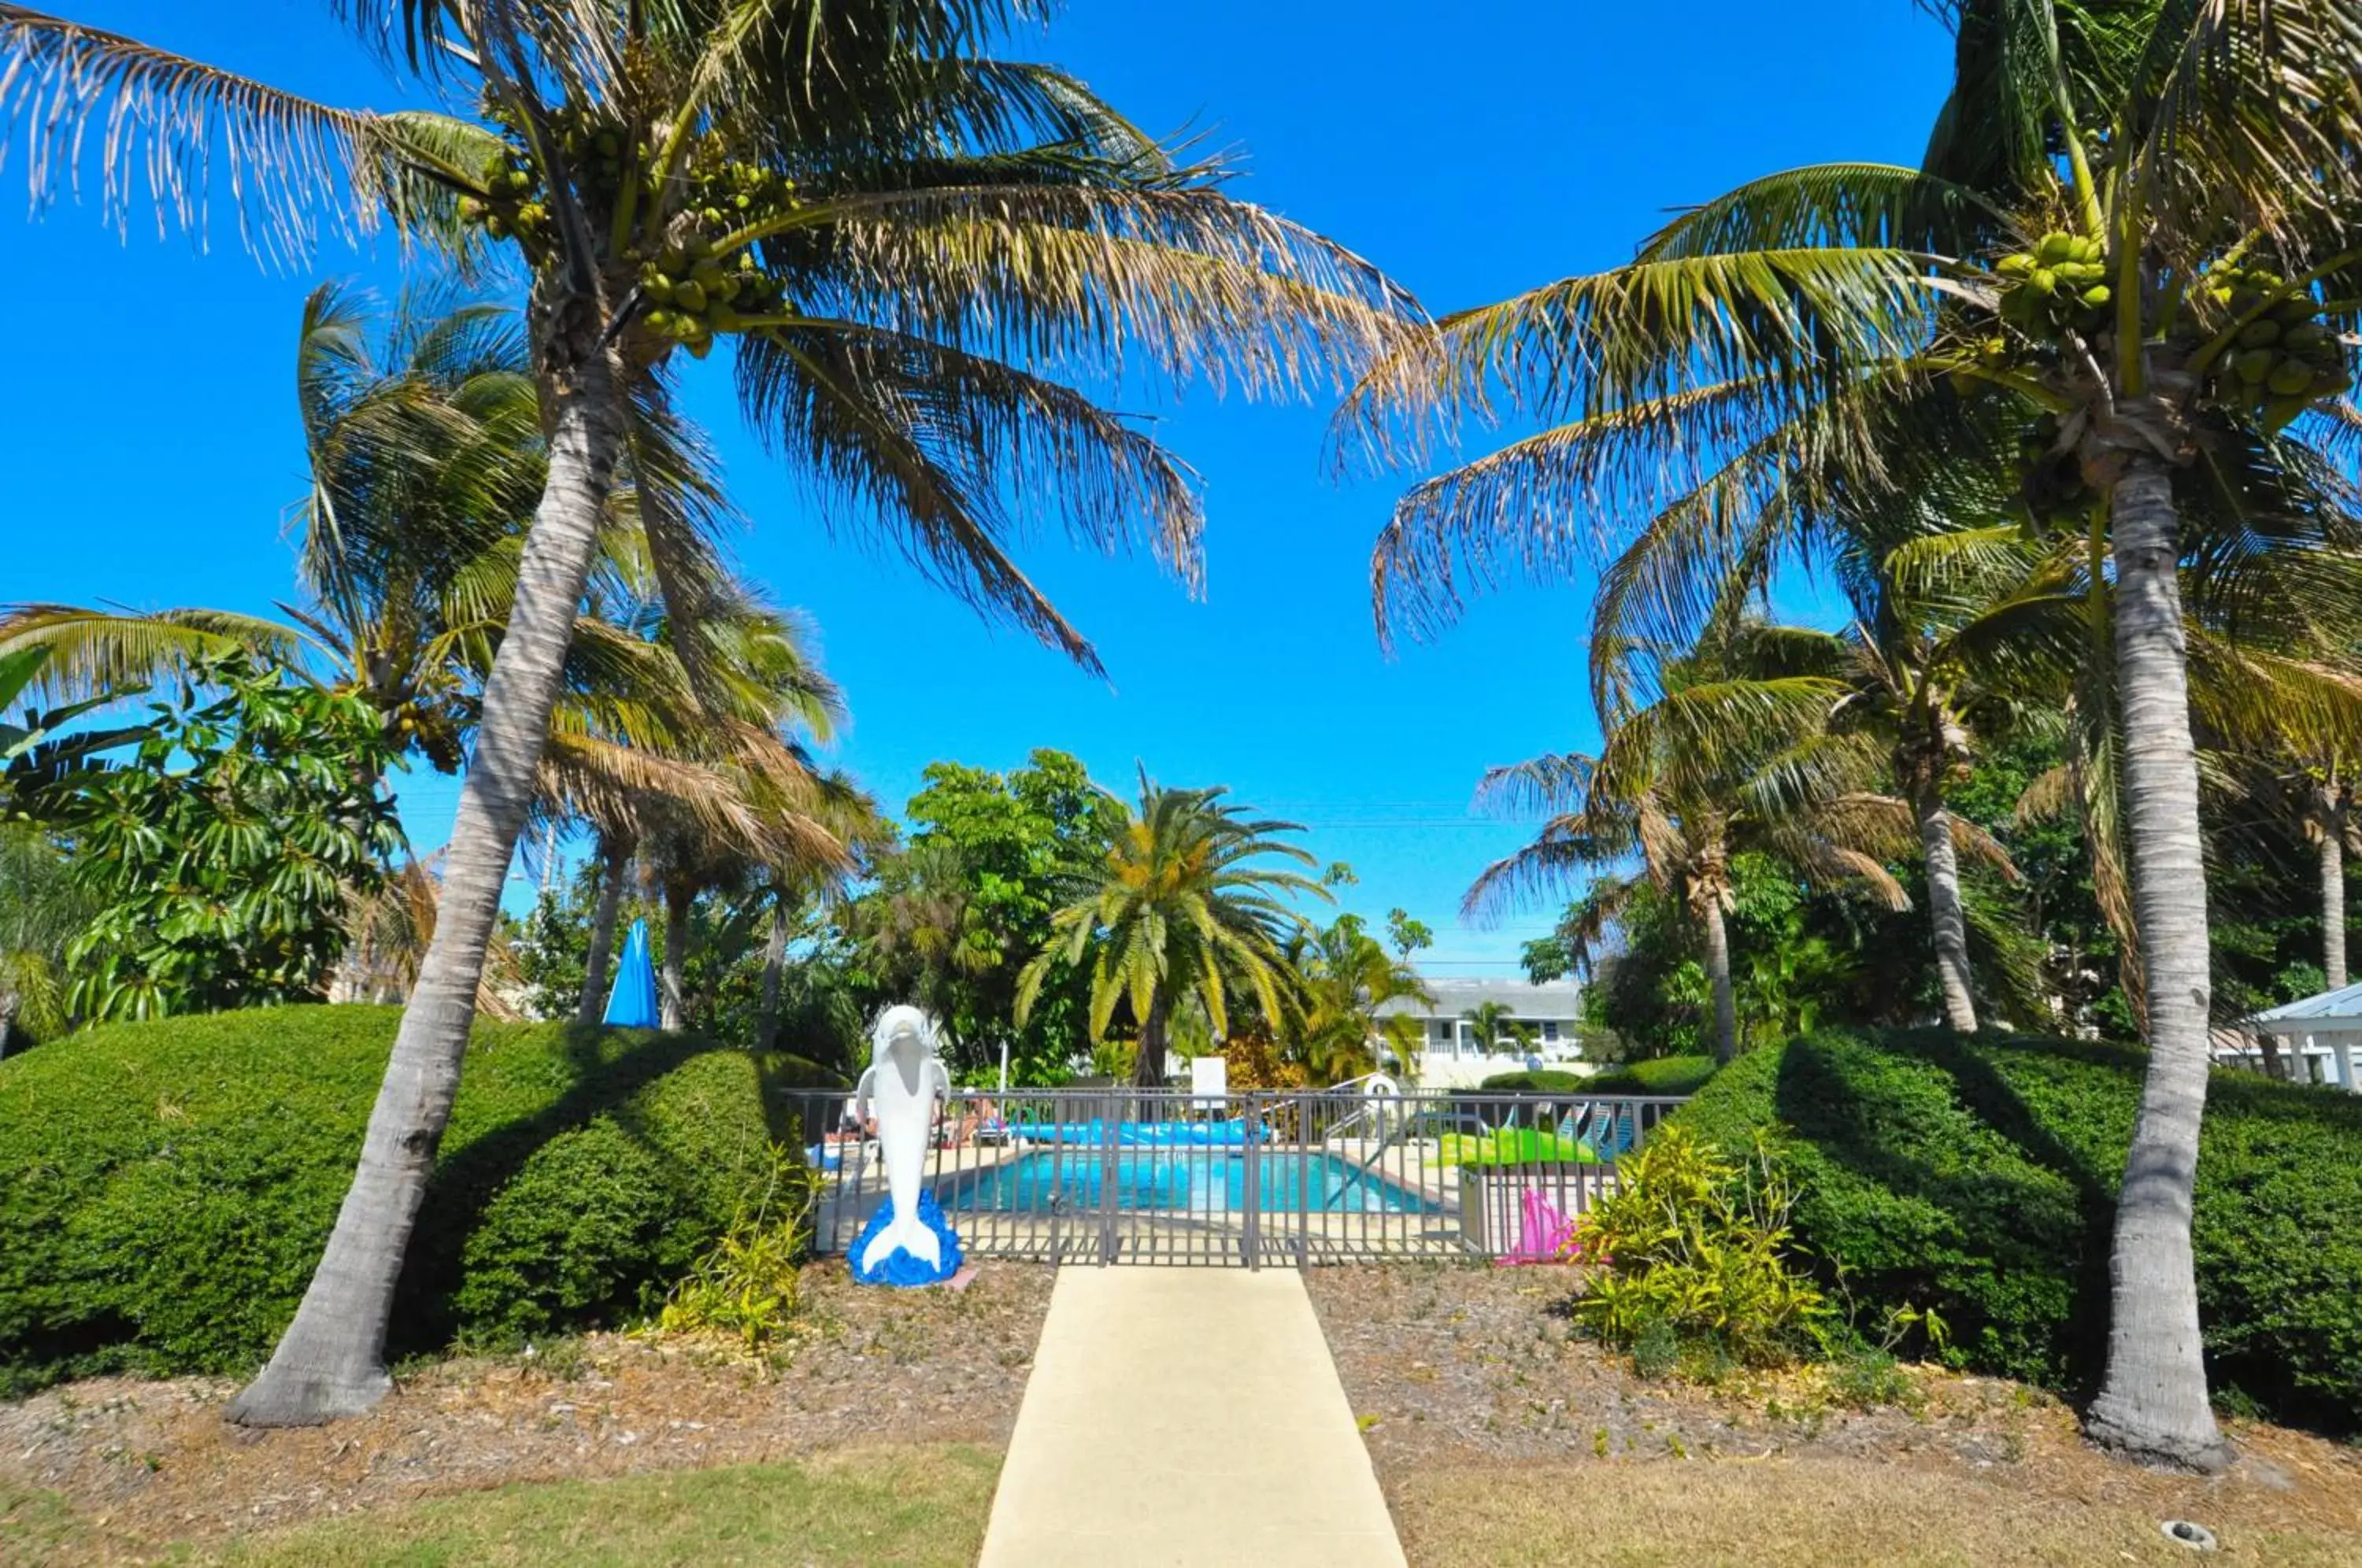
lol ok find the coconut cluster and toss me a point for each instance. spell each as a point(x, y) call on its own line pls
point(2061, 283)
point(701, 279)
point(2284, 358)
point(694, 291)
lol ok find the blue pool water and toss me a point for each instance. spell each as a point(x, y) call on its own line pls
point(1200, 1181)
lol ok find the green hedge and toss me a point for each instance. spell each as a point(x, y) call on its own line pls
point(165, 1189)
point(1978, 1178)
point(1666, 1075)
point(1543, 1080)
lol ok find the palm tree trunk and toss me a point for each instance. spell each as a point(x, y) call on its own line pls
point(1148, 1063)
point(331, 1361)
point(2153, 1404)
point(775, 964)
point(679, 898)
point(1718, 972)
point(2333, 902)
point(1944, 905)
point(613, 861)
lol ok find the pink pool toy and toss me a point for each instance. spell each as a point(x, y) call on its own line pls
point(1542, 1235)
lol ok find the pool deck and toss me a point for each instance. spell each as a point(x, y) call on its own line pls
point(1186, 1417)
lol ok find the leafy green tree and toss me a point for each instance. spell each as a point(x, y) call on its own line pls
point(1180, 915)
point(881, 220)
point(1406, 935)
point(953, 922)
point(221, 853)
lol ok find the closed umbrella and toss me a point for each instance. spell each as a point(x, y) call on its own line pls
point(632, 1003)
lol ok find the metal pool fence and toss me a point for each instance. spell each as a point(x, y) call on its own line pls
point(1245, 1178)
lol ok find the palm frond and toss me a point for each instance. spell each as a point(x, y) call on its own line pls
point(70, 93)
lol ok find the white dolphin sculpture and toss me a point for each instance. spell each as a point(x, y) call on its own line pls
point(901, 1087)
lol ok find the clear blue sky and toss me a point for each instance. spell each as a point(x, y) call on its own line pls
point(148, 427)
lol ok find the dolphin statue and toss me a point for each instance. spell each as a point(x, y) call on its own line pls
point(901, 1087)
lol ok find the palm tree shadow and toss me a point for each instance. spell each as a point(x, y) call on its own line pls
point(1908, 1116)
point(608, 1069)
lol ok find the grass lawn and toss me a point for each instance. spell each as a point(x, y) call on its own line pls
point(1800, 1514)
point(922, 1506)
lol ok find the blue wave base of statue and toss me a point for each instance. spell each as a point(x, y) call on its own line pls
point(898, 1268)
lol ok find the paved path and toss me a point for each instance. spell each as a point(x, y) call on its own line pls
point(1186, 1416)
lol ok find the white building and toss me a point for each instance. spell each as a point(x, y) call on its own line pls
point(2318, 1039)
point(1539, 1031)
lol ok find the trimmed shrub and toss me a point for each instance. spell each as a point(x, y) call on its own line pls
point(166, 1187)
point(1545, 1080)
point(1666, 1075)
point(1979, 1179)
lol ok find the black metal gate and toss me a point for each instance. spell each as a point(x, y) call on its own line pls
point(1246, 1178)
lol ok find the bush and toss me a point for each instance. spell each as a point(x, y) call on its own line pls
point(1545, 1080)
point(1695, 1260)
point(166, 1187)
point(1978, 1179)
point(1666, 1075)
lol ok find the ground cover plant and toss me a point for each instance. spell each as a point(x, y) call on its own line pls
point(1977, 1178)
point(165, 1187)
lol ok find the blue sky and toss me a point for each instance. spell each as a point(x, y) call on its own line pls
point(147, 423)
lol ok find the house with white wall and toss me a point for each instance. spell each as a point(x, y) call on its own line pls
point(1451, 1056)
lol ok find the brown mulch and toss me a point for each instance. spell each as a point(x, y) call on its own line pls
point(155, 1461)
point(1449, 1366)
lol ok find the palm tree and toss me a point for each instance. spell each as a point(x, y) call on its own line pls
point(798, 891)
point(1345, 978)
point(2131, 245)
point(1717, 752)
point(426, 453)
point(1955, 632)
point(1181, 916)
point(424, 443)
point(40, 911)
point(1490, 1021)
point(2331, 826)
point(876, 216)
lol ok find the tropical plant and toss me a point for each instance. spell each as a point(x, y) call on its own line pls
point(1345, 979)
point(2130, 252)
point(1722, 754)
point(40, 912)
point(45, 746)
point(389, 926)
point(1490, 1022)
point(1179, 915)
point(2313, 798)
point(221, 853)
point(1698, 1250)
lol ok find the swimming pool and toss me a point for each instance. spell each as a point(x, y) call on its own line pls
point(1179, 1181)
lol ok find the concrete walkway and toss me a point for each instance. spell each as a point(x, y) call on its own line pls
point(1186, 1416)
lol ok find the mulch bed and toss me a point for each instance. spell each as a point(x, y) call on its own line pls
point(1450, 1365)
point(154, 1461)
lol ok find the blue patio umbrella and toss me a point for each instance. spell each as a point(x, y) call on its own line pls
point(632, 1003)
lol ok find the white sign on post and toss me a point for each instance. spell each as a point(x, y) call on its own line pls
point(1210, 1080)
